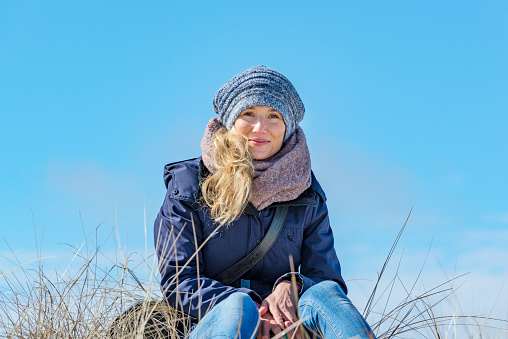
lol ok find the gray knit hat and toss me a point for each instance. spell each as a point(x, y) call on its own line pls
point(259, 86)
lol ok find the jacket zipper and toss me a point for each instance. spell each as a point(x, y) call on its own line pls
point(248, 233)
point(219, 234)
point(290, 237)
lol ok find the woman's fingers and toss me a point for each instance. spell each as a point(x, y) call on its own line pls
point(286, 319)
point(265, 330)
point(267, 324)
point(277, 314)
point(263, 333)
point(275, 329)
point(263, 308)
point(283, 317)
point(280, 307)
point(283, 301)
point(288, 312)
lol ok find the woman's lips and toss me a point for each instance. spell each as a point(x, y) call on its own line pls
point(258, 142)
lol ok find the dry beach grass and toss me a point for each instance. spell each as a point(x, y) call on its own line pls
point(96, 298)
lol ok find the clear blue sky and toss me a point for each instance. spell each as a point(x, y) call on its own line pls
point(406, 105)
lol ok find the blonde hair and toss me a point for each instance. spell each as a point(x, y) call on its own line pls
point(227, 190)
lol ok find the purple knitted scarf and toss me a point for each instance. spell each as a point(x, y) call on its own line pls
point(283, 177)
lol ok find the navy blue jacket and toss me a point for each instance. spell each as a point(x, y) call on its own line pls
point(183, 226)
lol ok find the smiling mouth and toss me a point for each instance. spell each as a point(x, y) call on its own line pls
point(258, 142)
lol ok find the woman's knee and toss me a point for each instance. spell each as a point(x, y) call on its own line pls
point(235, 316)
point(240, 309)
point(240, 301)
point(324, 289)
point(325, 308)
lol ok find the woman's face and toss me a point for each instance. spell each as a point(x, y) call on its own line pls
point(265, 129)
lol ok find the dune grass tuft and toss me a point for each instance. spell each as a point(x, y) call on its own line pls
point(97, 298)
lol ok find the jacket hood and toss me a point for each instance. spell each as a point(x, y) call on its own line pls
point(182, 179)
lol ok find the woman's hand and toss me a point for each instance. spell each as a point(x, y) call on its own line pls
point(266, 325)
point(281, 307)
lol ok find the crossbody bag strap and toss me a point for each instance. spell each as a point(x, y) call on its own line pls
point(241, 267)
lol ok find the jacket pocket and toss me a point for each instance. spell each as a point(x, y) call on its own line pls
point(294, 242)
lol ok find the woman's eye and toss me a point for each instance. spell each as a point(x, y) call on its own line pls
point(274, 116)
point(248, 114)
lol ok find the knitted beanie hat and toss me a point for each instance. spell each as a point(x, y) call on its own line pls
point(259, 86)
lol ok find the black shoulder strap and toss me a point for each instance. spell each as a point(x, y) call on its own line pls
point(240, 268)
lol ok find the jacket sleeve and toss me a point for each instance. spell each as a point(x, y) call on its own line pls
point(178, 236)
point(319, 259)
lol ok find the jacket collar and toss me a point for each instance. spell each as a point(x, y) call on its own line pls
point(307, 198)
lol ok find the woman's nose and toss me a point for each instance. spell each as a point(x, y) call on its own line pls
point(259, 126)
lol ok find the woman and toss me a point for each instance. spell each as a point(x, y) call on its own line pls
point(218, 208)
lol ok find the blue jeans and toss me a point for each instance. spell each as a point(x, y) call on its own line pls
point(324, 310)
